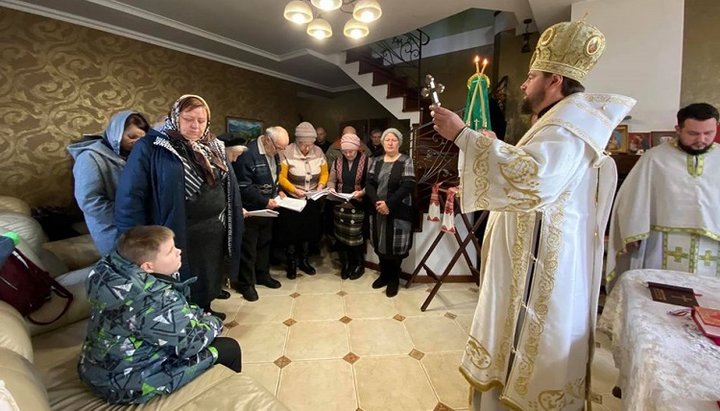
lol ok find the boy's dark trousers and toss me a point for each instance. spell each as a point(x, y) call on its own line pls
point(229, 353)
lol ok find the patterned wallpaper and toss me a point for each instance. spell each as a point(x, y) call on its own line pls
point(59, 80)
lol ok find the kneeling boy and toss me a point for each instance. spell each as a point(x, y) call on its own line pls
point(144, 338)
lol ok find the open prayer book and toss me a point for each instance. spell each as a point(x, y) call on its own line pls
point(342, 197)
point(316, 195)
point(262, 213)
point(295, 204)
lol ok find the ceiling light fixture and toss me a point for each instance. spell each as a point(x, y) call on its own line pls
point(298, 12)
point(363, 12)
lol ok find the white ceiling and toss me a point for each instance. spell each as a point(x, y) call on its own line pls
point(253, 33)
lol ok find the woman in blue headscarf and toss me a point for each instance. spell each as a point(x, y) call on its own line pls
point(180, 178)
point(98, 163)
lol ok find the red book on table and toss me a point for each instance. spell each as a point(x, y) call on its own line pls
point(708, 322)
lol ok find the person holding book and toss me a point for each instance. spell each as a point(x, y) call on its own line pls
point(664, 215)
point(347, 176)
point(144, 339)
point(303, 169)
point(258, 172)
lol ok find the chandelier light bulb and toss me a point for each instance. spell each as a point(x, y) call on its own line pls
point(355, 29)
point(367, 11)
point(327, 5)
point(320, 29)
point(298, 12)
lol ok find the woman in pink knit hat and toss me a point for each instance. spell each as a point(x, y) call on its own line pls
point(302, 169)
point(347, 175)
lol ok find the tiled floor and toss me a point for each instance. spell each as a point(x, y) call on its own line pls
point(322, 343)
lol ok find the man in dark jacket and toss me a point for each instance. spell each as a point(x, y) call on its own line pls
point(257, 172)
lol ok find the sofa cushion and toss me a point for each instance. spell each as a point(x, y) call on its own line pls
point(77, 252)
point(22, 381)
point(29, 230)
point(14, 335)
point(14, 205)
point(57, 354)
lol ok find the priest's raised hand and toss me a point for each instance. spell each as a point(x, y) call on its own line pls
point(449, 125)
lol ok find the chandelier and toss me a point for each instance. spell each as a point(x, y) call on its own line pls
point(363, 12)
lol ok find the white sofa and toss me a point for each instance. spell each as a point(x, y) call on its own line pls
point(38, 364)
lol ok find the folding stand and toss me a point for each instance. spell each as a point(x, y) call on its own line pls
point(462, 245)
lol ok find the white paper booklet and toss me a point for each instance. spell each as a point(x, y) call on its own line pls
point(316, 195)
point(295, 204)
point(262, 213)
point(342, 197)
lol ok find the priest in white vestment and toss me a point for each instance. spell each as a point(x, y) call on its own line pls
point(666, 212)
point(550, 195)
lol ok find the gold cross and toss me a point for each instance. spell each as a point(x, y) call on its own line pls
point(708, 258)
point(677, 255)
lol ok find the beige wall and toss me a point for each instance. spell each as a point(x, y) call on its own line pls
point(61, 80)
point(701, 53)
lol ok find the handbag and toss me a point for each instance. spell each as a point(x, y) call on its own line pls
point(27, 287)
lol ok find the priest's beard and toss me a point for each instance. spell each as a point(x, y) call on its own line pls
point(531, 101)
point(693, 151)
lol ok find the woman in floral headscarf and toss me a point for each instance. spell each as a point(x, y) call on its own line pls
point(179, 178)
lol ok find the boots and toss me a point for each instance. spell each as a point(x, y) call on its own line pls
point(291, 261)
point(344, 254)
point(381, 281)
point(393, 280)
point(303, 263)
point(358, 262)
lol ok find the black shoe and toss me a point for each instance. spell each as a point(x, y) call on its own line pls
point(270, 282)
point(344, 264)
point(359, 269)
point(304, 266)
point(250, 294)
point(392, 289)
point(224, 295)
point(617, 392)
point(217, 314)
point(303, 263)
point(357, 272)
point(380, 282)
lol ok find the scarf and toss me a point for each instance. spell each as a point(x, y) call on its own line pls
point(201, 153)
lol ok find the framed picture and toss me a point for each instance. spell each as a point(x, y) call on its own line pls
point(618, 142)
point(246, 128)
point(638, 143)
point(659, 137)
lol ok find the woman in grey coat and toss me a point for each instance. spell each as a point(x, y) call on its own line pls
point(98, 163)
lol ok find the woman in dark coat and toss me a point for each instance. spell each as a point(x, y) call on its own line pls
point(179, 178)
point(389, 188)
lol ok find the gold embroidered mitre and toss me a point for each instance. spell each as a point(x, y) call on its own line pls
point(569, 49)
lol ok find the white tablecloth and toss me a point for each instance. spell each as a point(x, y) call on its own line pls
point(665, 362)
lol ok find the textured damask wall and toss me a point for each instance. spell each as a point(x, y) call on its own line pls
point(59, 80)
point(701, 53)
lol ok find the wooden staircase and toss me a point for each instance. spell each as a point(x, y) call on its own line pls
point(398, 86)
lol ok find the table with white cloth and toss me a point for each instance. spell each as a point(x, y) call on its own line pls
point(665, 363)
